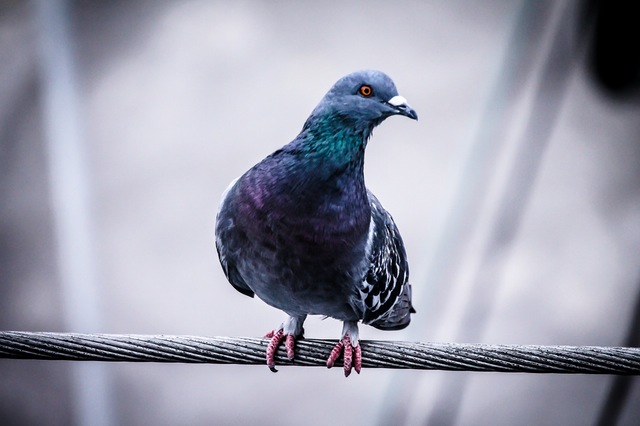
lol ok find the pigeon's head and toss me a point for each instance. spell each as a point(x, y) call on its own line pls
point(363, 99)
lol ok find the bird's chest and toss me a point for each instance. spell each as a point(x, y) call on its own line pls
point(321, 224)
point(304, 233)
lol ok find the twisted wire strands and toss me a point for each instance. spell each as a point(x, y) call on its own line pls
point(313, 352)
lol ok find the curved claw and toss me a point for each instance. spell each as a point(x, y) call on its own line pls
point(276, 338)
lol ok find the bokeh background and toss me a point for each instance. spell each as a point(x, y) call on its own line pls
point(517, 194)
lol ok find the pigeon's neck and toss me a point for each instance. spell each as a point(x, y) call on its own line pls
point(335, 140)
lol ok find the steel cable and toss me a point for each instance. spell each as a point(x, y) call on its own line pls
point(313, 352)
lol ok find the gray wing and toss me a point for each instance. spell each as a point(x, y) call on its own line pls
point(386, 291)
point(228, 240)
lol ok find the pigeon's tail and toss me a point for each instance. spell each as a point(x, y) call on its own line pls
point(399, 316)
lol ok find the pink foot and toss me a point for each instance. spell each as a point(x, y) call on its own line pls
point(352, 356)
point(276, 340)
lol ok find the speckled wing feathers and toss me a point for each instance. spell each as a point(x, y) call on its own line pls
point(385, 291)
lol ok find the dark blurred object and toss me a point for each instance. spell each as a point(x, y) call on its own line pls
point(614, 48)
point(614, 63)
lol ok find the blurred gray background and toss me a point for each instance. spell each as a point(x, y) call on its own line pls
point(517, 194)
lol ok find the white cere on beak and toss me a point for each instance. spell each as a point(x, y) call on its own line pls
point(397, 101)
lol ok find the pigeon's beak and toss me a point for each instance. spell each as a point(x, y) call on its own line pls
point(402, 107)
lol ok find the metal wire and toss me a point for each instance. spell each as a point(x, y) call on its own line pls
point(311, 352)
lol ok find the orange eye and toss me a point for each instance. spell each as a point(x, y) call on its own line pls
point(365, 90)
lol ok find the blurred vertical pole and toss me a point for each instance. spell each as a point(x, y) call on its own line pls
point(497, 180)
point(69, 177)
point(485, 147)
point(560, 54)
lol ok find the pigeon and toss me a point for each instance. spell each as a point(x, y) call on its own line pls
point(302, 232)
